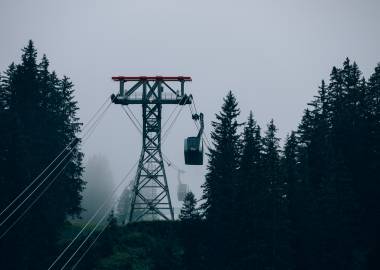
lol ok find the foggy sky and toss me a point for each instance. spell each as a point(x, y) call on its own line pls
point(271, 54)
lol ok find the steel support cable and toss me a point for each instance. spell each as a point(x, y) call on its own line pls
point(170, 163)
point(170, 115)
point(34, 201)
point(174, 120)
point(108, 198)
point(89, 247)
point(87, 134)
point(130, 118)
point(163, 140)
point(138, 122)
point(49, 165)
point(91, 244)
point(89, 234)
point(138, 126)
point(164, 136)
point(140, 131)
point(134, 117)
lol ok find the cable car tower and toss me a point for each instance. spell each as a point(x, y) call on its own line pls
point(151, 195)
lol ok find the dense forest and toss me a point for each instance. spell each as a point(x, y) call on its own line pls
point(38, 117)
point(309, 203)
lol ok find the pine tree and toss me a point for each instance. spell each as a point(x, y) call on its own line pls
point(275, 219)
point(223, 161)
point(189, 211)
point(369, 188)
point(219, 189)
point(40, 114)
point(247, 194)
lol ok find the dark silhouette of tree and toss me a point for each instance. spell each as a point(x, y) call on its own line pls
point(219, 189)
point(248, 196)
point(275, 219)
point(189, 211)
point(370, 190)
point(38, 120)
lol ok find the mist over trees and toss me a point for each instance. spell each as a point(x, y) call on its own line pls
point(99, 185)
point(312, 203)
point(38, 117)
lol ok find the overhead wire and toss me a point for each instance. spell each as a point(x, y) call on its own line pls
point(164, 136)
point(170, 115)
point(134, 117)
point(138, 126)
point(93, 230)
point(89, 247)
point(86, 135)
point(34, 201)
point(91, 130)
point(89, 234)
point(50, 164)
point(108, 198)
point(170, 163)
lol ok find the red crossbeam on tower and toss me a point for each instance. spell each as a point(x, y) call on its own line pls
point(152, 78)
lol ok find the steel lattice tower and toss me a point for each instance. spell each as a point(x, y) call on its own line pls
point(151, 195)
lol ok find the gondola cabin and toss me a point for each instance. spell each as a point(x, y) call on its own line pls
point(193, 151)
point(193, 147)
point(182, 190)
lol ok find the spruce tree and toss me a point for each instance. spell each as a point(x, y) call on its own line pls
point(247, 195)
point(40, 114)
point(275, 217)
point(369, 189)
point(219, 189)
point(189, 211)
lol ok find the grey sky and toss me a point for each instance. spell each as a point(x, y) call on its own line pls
point(272, 54)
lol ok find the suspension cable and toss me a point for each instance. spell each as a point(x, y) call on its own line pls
point(108, 198)
point(164, 136)
point(51, 163)
point(169, 162)
point(134, 117)
point(86, 135)
point(89, 234)
point(130, 118)
point(89, 247)
point(170, 115)
point(34, 201)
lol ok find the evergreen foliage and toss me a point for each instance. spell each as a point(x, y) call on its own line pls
point(221, 181)
point(38, 120)
point(189, 211)
point(311, 204)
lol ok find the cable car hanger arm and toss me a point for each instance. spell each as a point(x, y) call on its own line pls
point(202, 125)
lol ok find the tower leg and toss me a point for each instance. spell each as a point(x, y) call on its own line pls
point(151, 198)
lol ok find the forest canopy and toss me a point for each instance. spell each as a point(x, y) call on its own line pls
point(312, 203)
